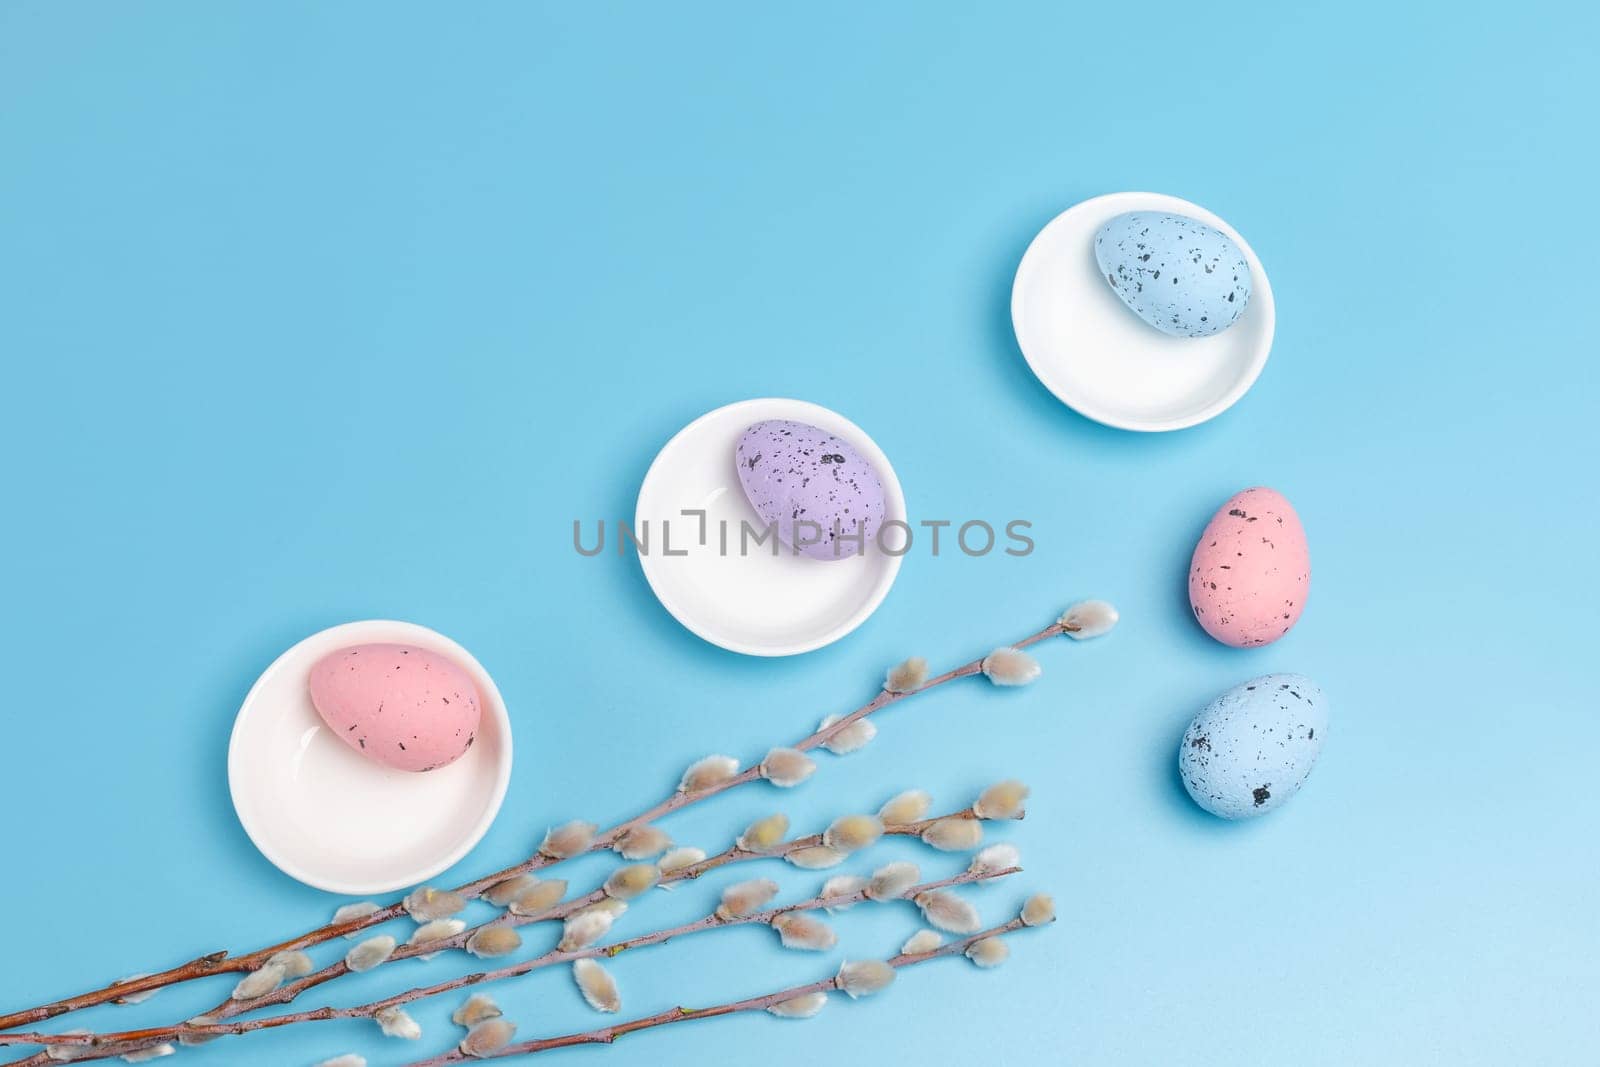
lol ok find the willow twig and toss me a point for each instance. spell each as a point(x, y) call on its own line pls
point(289, 991)
point(97, 1046)
point(605, 1035)
point(221, 962)
point(108, 1044)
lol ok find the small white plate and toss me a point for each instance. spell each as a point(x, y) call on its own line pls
point(329, 817)
point(1102, 360)
point(758, 604)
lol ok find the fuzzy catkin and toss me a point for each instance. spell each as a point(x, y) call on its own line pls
point(815, 857)
point(394, 1022)
point(861, 978)
point(427, 904)
point(764, 835)
point(1039, 910)
point(907, 677)
point(474, 1010)
point(907, 807)
point(626, 883)
point(708, 773)
point(1010, 666)
point(952, 834)
point(369, 953)
point(487, 1038)
point(787, 767)
point(258, 983)
point(799, 931)
point(190, 1038)
point(948, 912)
point(842, 885)
point(1089, 618)
point(568, 839)
point(679, 858)
point(990, 952)
point(540, 898)
point(891, 881)
point(745, 898)
point(351, 912)
point(584, 929)
point(851, 738)
point(437, 930)
point(642, 842)
point(295, 964)
point(923, 941)
point(599, 989)
point(804, 1006)
point(501, 894)
point(610, 905)
point(1003, 800)
point(995, 858)
point(852, 833)
point(491, 941)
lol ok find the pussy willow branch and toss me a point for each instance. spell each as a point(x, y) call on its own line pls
point(291, 990)
point(605, 1035)
point(104, 1045)
point(222, 963)
point(98, 1042)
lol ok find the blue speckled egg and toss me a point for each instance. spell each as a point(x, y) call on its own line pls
point(1178, 274)
point(821, 496)
point(1250, 749)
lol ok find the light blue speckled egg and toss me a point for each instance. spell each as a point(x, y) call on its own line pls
point(1250, 749)
point(1181, 276)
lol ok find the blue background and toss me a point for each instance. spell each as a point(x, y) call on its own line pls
point(316, 312)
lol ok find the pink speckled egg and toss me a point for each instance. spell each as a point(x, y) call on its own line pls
point(400, 705)
point(1251, 571)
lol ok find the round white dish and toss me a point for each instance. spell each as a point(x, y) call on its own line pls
point(1102, 360)
point(327, 816)
point(755, 603)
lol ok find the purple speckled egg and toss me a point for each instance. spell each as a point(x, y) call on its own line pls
point(815, 489)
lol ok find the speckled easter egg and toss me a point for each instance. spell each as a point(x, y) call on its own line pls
point(403, 706)
point(1251, 571)
point(1181, 276)
point(811, 486)
point(1251, 749)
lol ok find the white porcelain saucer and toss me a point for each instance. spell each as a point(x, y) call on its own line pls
point(1102, 360)
point(755, 603)
point(327, 816)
